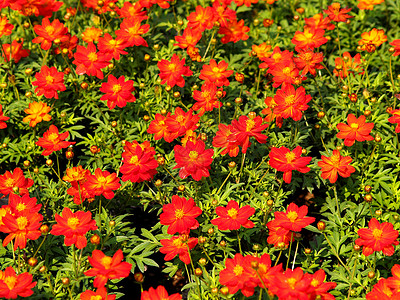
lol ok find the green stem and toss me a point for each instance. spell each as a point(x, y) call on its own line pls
point(241, 167)
point(290, 249)
point(238, 237)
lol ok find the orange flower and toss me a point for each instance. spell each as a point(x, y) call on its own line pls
point(337, 14)
point(37, 112)
point(331, 166)
point(100, 294)
point(396, 46)
point(91, 34)
point(132, 30)
point(225, 138)
point(159, 128)
point(102, 183)
point(49, 81)
point(105, 267)
point(75, 174)
point(15, 51)
point(348, 65)
point(309, 39)
point(206, 99)
point(74, 227)
point(190, 37)
point(284, 72)
point(294, 219)
point(52, 141)
point(395, 119)
point(10, 183)
point(375, 37)
point(180, 122)
point(234, 32)
point(319, 22)
point(5, 27)
point(263, 51)
point(355, 130)
point(3, 118)
point(307, 61)
point(89, 61)
point(291, 102)
point(113, 47)
point(277, 234)
point(117, 91)
point(248, 3)
point(171, 72)
point(178, 245)
point(202, 18)
point(216, 73)
point(160, 293)
point(13, 285)
point(368, 4)
point(49, 32)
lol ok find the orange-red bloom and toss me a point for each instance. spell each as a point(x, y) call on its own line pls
point(319, 22)
point(278, 235)
point(113, 47)
point(309, 39)
point(245, 127)
point(100, 294)
point(284, 72)
point(308, 62)
point(52, 140)
point(292, 284)
point(15, 181)
point(14, 52)
point(189, 37)
point(193, 160)
point(355, 130)
point(37, 112)
point(171, 72)
point(382, 291)
point(206, 99)
point(331, 166)
point(48, 32)
point(49, 81)
point(348, 65)
point(105, 267)
point(102, 183)
point(3, 118)
point(378, 237)
point(396, 45)
point(159, 128)
point(395, 119)
point(13, 286)
point(368, 4)
point(375, 37)
point(117, 91)
point(291, 102)
point(91, 34)
point(202, 18)
point(234, 31)
point(178, 245)
point(232, 217)
point(160, 293)
point(5, 27)
point(294, 219)
point(18, 205)
point(132, 30)
point(225, 138)
point(21, 227)
point(89, 61)
point(286, 161)
point(74, 227)
point(180, 122)
point(216, 73)
point(180, 215)
point(337, 14)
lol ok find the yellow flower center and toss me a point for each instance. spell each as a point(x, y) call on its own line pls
point(106, 262)
point(233, 213)
point(49, 29)
point(134, 160)
point(314, 282)
point(290, 156)
point(101, 179)
point(53, 136)
point(286, 70)
point(377, 233)
point(73, 222)
point(335, 159)
point(238, 270)
point(177, 243)
point(10, 281)
point(277, 56)
point(49, 79)
point(193, 155)
point(21, 206)
point(291, 282)
point(292, 216)
point(92, 56)
point(98, 297)
point(179, 214)
point(22, 223)
point(307, 56)
point(289, 100)
point(180, 118)
point(250, 125)
point(116, 88)
point(172, 67)
point(113, 42)
point(9, 182)
point(336, 8)
point(215, 70)
point(354, 125)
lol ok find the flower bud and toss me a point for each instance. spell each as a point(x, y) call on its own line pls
point(158, 183)
point(368, 198)
point(307, 251)
point(320, 114)
point(65, 281)
point(111, 223)
point(321, 225)
point(95, 239)
point(202, 261)
point(32, 261)
point(224, 290)
point(138, 276)
point(49, 162)
point(27, 163)
point(198, 272)
point(147, 57)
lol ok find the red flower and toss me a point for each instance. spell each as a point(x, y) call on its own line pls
point(356, 130)
point(178, 245)
point(102, 183)
point(180, 215)
point(248, 3)
point(11, 183)
point(216, 73)
point(193, 160)
point(100, 294)
point(91, 34)
point(291, 102)
point(232, 217)
point(131, 10)
point(395, 119)
point(278, 235)
point(74, 226)
point(286, 161)
point(21, 227)
point(13, 285)
point(105, 267)
point(245, 127)
point(309, 39)
point(337, 14)
point(237, 275)
point(378, 237)
point(160, 293)
point(319, 22)
point(348, 65)
point(320, 287)
point(265, 270)
point(159, 128)
point(67, 46)
point(14, 52)
point(171, 72)
point(132, 30)
point(138, 164)
point(284, 72)
point(19, 205)
point(234, 31)
point(308, 61)
point(3, 118)
point(225, 138)
point(48, 82)
point(207, 98)
point(382, 291)
point(263, 51)
point(190, 37)
point(292, 285)
point(53, 141)
point(113, 47)
point(5, 27)
point(202, 19)
point(331, 166)
point(396, 45)
point(117, 91)
point(48, 32)
point(180, 122)
point(394, 282)
point(89, 61)
point(294, 218)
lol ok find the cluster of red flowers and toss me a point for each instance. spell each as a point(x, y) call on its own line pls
point(246, 273)
point(14, 285)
